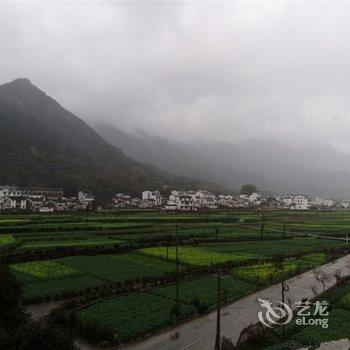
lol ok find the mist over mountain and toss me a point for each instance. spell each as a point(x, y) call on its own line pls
point(43, 144)
point(272, 166)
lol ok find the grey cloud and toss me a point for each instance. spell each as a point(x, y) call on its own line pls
point(189, 70)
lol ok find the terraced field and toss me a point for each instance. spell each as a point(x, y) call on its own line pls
point(268, 273)
point(196, 296)
point(205, 238)
point(134, 315)
point(87, 242)
point(6, 239)
point(73, 274)
point(239, 252)
point(203, 292)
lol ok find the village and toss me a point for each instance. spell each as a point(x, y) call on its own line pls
point(42, 200)
point(46, 200)
point(202, 199)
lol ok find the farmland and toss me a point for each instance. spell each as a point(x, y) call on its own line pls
point(40, 278)
point(119, 268)
point(133, 315)
point(73, 274)
point(199, 295)
point(6, 239)
point(240, 252)
point(88, 242)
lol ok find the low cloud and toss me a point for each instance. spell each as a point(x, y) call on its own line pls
point(224, 71)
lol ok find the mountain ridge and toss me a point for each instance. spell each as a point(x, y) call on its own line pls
point(43, 144)
point(270, 165)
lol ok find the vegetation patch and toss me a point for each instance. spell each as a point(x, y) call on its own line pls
point(134, 315)
point(6, 240)
point(201, 294)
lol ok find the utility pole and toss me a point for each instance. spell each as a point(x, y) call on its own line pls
point(262, 231)
point(167, 246)
point(285, 288)
point(218, 316)
point(177, 277)
point(216, 233)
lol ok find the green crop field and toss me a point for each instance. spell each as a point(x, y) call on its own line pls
point(87, 242)
point(197, 255)
point(239, 252)
point(138, 278)
point(269, 273)
point(36, 232)
point(6, 239)
point(52, 277)
point(134, 315)
point(269, 248)
point(140, 313)
point(204, 291)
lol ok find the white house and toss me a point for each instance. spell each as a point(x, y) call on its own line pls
point(121, 200)
point(287, 200)
point(85, 197)
point(324, 202)
point(205, 199)
point(151, 199)
point(180, 201)
point(344, 203)
point(228, 201)
point(255, 199)
point(300, 202)
point(13, 203)
point(172, 202)
point(10, 191)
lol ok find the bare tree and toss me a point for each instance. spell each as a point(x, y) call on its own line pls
point(322, 277)
point(290, 301)
point(227, 344)
point(338, 275)
point(314, 290)
point(250, 336)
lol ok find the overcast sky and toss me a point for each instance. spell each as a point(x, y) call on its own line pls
point(221, 71)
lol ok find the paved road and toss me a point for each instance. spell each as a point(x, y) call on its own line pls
point(199, 334)
point(39, 310)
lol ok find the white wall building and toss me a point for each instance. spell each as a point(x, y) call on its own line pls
point(255, 199)
point(10, 191)
point(179, 200)
point(324, 202)
point(204, 199)
point(300, 202)
point(41, 199)
point(228, 201)
point(152, 196)
point(287, 200)
point(85, 197)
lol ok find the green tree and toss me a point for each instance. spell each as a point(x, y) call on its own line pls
point(248, 189)
point(12, 313)
point(43, 335)
point(17, 332)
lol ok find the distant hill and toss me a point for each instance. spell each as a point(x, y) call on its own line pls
point(271, 166)
point(43, 144)
point(178, 158)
